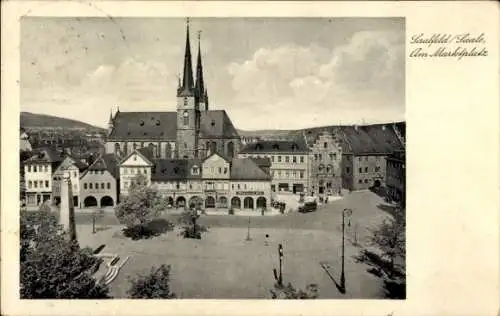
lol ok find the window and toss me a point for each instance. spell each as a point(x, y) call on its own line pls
point(287, 159)
point(302, 174)
point(360, 170)
point(272, 158)
point(294, 174)
point(220, 170)
point(145, 171)
point(328, 169)
point(34, 168)
point(320, 157)
point(316, 157)
point(238, 186)
point(74, 174)
point(225, 170)
point(366, 169)
point(301, 159)
point(325, 145)
point(185, 101)
point(85, 186)
point(287, 174)
point(294, 159)
point(135, 157)
point(90, 185)
point(232, 186)
point(321, 167)
point(46, 168)
point(185, 116)
point(55, 178)
point(279, 158)
point(347, 169)
point(377, 169)
point(195, 170)
point(46, 183)
point(366, 180)
point(30, 184)
point(29, 168)
point(102, 185)
point(360, 181)
point(36, 184)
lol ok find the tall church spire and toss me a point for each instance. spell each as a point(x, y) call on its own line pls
point(200, 84)
point(187, 80)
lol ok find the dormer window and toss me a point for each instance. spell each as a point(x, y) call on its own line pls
point(212, 123)
point(276, 147)
point(195, 170)
point(158, 123)
point(176, 170)
point(141, 123)
point(294, 146)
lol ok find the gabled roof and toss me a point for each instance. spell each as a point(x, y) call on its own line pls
point(262, 162)
point(105, 162)
point(280, 146)
point(145, 153)
point(73, 161)
point(175, 169)
point(247, 169)
point(218, 154)
point(162, 126)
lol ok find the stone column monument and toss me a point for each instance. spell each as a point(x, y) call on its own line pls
point(67, 210)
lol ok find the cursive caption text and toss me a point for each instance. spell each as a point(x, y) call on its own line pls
point(444, 45)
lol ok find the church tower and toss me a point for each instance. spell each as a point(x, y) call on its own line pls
point(188, 111)
point(201, 92)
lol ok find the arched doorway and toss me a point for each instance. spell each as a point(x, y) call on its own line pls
point(223, 202)
point(90, 201)
point(248, 203)
point(196, 202)
point(235, 202)
point(261, 202)
point(170, 201)
point(181, 201)
point(210, 202)
point(106, 201)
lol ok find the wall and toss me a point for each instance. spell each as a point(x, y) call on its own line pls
point(326, 165)
point(367, 169)
point(44, 177)
point(94, 177)
point(253, 189)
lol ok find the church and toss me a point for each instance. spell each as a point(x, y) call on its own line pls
point(193, 131)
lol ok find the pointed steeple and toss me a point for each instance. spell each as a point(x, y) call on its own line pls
point(200, 84)
point(187, 79)
point(206, 99)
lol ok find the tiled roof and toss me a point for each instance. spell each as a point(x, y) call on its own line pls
point(163, 126)
point(175, 169)
point(46, 155)
point(367, 139)
point(107, 162)
point(147, 153)
point(262, 162)
point(247, 169)
point(280, 146)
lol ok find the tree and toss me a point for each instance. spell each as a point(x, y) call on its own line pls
point(53, 266)
point(137, 210)
point(390, 239)
point(191, 228)
point(156, 284)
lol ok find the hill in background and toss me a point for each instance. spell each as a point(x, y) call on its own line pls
point(43, 121)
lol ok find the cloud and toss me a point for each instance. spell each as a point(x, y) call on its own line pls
point(361, 80)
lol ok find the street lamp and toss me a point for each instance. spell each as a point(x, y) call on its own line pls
point(345, 212)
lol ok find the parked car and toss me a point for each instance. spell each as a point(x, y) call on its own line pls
point(308, 207)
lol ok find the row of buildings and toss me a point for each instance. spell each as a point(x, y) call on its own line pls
point(195, 155)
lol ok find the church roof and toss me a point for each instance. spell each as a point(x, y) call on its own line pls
point(247, 169)
point(162, 126)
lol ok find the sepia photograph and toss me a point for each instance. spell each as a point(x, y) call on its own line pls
point(212, 158)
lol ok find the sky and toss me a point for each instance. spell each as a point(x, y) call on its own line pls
point(267, 73)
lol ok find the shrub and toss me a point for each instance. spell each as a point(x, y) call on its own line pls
point(191, 229)
point(290, 293)
point(154, 285)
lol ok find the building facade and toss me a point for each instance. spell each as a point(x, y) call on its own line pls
point(396, 177)
point(74, 168)
point(290, 163)
point(38, 171)
point(138, 162)
point(99, 183)
point(193, 131)
point(326, 165)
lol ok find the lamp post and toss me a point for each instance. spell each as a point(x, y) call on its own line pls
point(345, 212)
